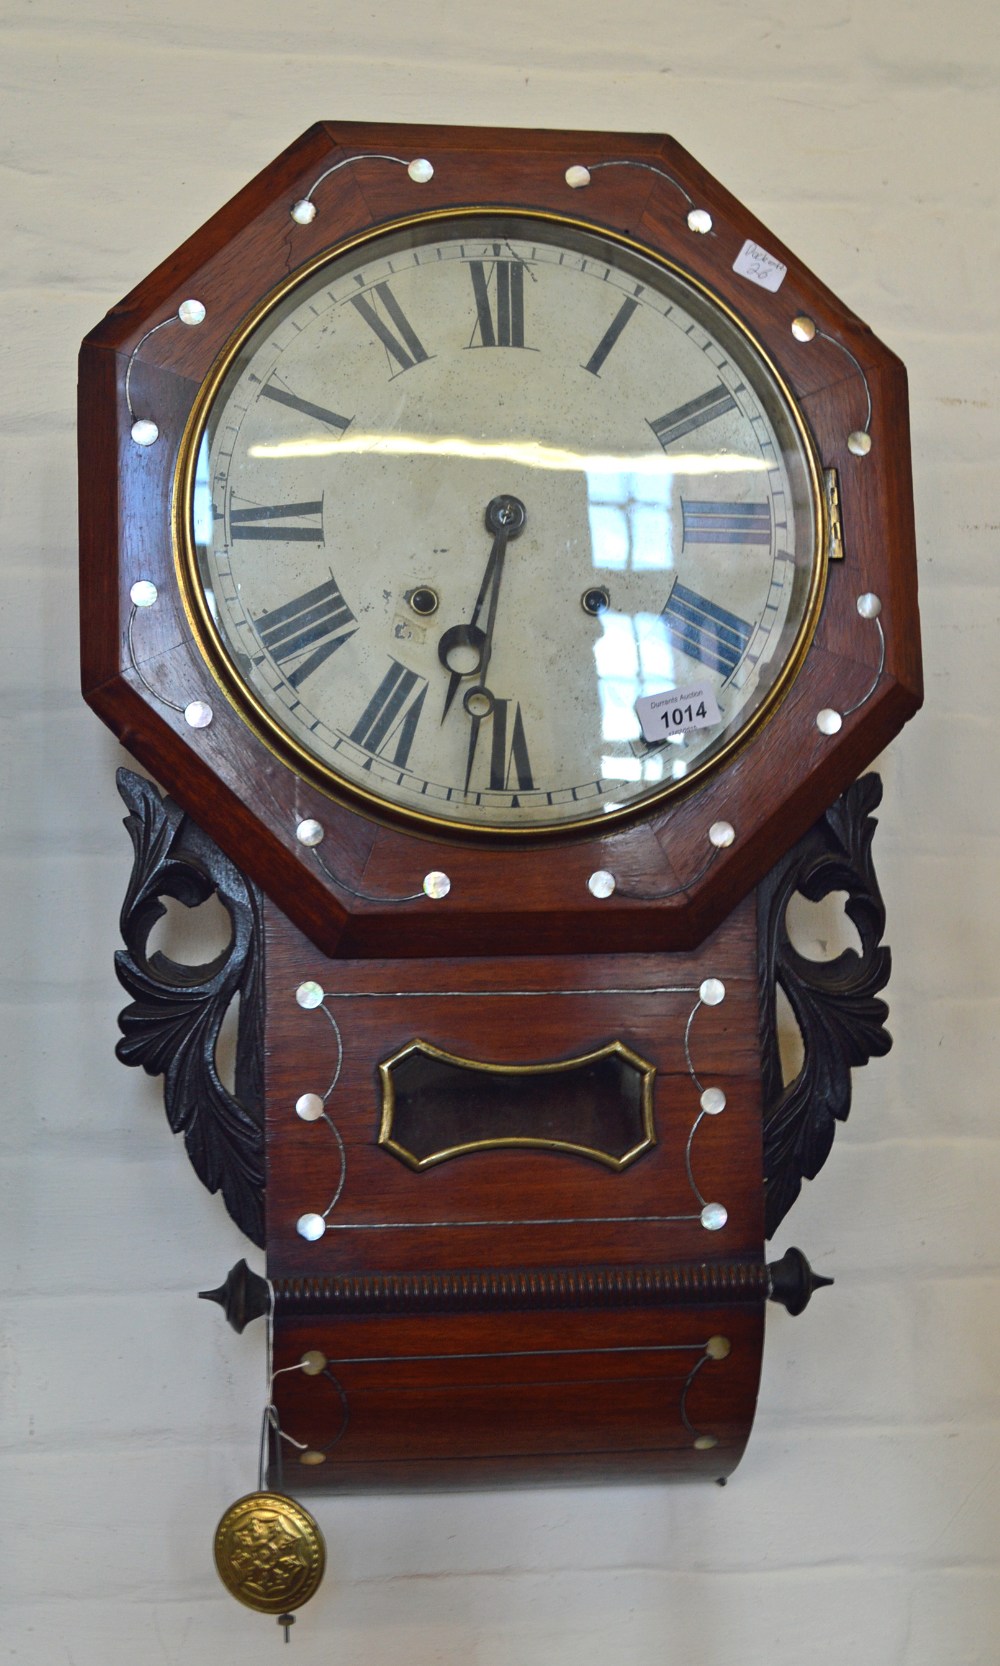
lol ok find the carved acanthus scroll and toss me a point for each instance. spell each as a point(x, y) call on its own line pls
point(172, 1026)
point(835, 1003)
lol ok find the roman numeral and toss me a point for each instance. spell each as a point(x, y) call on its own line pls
point(500, 315)
point(305, 407)
point(388, 723)
point(704, 631)
point(726, 523)
point(509, 759)
point(610, 336)
point(319, 620)
point(259, 522)
point(674, 424)
point(406, 348)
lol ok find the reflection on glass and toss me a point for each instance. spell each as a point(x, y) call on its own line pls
point(201, 508)
point(202, 518)
point(533, 454)
point(630, 520)
point(633, 656)
point(621, 769)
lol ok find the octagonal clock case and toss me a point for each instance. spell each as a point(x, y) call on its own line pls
point(499, 547)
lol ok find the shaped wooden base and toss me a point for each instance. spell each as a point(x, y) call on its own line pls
point(515, 1206)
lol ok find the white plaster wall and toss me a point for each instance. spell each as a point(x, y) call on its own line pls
point(863, 1525)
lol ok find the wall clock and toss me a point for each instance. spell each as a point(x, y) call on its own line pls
point(500, 548)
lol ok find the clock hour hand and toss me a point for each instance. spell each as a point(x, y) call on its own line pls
point(461, 638)
point(505, 518)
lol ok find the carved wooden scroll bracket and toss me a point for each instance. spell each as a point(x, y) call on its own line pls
point(835, 1002)
point(171, 1028)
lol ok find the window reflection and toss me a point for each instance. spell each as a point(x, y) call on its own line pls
point(630, 520)
point(203, 522)
point(201, 502)
point(633, 656)
point(630, 531)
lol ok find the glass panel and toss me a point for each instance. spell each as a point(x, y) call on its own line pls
point(468, 491)
point(436, 1105)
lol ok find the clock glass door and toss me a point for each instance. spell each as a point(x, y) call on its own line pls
point(498, 522)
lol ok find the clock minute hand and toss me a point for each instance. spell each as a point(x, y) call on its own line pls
point(505, 518)
point(479, 701)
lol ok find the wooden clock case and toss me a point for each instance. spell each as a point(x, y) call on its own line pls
point(512, 1304)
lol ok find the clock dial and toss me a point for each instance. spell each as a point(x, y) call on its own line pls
point(499, 522)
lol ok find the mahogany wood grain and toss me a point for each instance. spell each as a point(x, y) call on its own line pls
point(529, 896)
point(475, 1348)
point(587, 1357)
point(533, 1397)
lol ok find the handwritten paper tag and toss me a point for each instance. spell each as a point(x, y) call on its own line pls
point(755, 263)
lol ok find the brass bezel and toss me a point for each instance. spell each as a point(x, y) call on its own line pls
point(289, 751)
point(526, 1142)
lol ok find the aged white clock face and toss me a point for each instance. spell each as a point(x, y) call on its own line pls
point(497, 522)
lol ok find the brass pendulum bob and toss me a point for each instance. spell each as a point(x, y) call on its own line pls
point(270, 1554)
